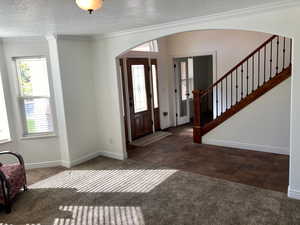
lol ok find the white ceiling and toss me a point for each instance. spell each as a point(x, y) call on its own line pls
point(42, 17)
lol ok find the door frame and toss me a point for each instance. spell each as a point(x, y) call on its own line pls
point(126, 107)
point(186, 55)
point(180, 120)
point(146, 116)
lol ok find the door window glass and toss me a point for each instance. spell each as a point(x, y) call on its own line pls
point(154, 82)
point(139, 88)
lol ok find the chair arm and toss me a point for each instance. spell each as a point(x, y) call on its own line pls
point(17, 155)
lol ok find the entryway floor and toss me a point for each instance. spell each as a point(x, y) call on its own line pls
point(260, 169)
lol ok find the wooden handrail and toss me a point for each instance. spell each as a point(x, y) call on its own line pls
point(205, 92)
point(269, 67)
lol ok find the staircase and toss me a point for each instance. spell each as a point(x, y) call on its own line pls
point(263, 69)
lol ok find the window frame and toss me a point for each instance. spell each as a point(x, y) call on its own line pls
point(9, 139)
point(21, 98)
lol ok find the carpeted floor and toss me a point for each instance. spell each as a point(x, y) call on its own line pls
point(110, 192)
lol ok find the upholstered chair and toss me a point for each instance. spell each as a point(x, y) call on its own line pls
point(12, 179)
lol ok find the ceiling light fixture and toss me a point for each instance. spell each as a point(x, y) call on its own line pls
point(89, 5)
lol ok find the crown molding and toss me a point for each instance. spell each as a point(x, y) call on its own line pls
point(74, 37)
point(203, 19)
point(23, 39)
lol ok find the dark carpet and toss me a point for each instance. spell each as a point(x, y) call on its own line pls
point(111, 192)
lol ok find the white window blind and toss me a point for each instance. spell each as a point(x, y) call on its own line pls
point(34, 96)
point(4, 128)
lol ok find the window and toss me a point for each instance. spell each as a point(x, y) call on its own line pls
point(34, 96)
point(139, 88)
point(154, 83)
point(4, 129)
point(151, 46)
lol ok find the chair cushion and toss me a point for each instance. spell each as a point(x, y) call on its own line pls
point(15, 175)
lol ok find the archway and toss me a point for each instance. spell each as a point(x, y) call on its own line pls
point(222, 49)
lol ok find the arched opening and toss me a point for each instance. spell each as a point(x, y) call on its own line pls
point(158, 80)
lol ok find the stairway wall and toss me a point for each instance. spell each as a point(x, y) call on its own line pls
point(267, 123)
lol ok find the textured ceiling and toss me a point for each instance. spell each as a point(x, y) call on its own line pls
point(42, 17)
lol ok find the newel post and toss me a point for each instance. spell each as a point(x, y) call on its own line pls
point(197, 114)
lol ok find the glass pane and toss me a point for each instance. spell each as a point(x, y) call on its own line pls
point(33, 77)
point(154, 82)
point(4, 129)
point(139, 88)
point(38, 116)
point(151, 46)
point(183, 82)
point(191, 76)
point(183, 88)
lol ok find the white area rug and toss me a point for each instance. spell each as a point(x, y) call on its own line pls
point(151, 138)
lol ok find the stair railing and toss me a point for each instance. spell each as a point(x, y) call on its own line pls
point(264, 63)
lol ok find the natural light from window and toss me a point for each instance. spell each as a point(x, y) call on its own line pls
point(107, 181)
point(34, 95)
point(151, 46)
point(139, 88)
point(4, 128)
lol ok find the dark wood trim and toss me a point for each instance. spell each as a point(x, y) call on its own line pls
point(197, 117)
point(146, 116)
point(286, 73)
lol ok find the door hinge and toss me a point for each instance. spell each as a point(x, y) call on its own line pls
point(175, 90)
point(174, 65)
point(152, 122)
point(176, 114)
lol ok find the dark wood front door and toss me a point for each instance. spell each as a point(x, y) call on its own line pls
point(139, 97)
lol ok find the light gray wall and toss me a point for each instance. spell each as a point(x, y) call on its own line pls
point(79, 97)
point(37, 151)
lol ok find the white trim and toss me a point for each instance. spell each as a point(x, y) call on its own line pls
point(247, 146)
point(262, 8)
point(214, 54)
point(113, 155)
point(80, 160)
point(41, 136)
point(42, 164)
point(292, 193)
point(6, 141)
point(91, 156)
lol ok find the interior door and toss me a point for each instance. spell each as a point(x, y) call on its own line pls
point(182, 91)
point(139, 97)
point(155, 94)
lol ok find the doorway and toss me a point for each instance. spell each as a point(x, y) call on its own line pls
point(142, 101)
point(195, 72)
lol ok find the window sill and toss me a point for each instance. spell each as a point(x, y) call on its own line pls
point(42, 136)
point(5, 142)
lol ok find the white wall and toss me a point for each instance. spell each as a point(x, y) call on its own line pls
point(263, 125)
point(282, 20)
point(39, 151)
point(79, 97)
point(232, 46)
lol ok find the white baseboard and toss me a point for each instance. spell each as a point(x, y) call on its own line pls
point(90, 156)
point(84, 158)
point(113, 155)
point(261, 148)
point(292, 193)
point(69, 164)
point(42, 164)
